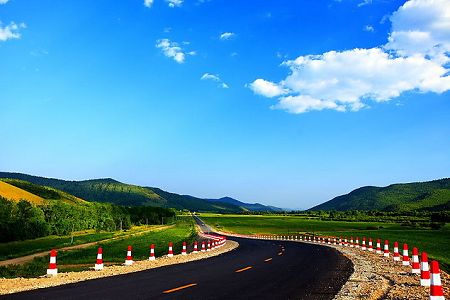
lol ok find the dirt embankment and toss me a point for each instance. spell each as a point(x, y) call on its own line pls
point(378, 277)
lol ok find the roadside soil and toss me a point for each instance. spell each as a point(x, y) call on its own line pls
point(377, 277)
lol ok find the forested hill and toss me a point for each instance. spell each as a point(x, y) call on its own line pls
point(431, 196)
point(112, 191)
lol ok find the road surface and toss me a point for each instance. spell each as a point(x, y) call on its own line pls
point(256, 270)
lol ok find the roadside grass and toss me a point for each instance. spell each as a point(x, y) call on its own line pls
point(27, 247)
point(435, 242)
point(114, 252)
point(285, 224)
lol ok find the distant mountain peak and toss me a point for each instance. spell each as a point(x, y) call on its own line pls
point(103, 180)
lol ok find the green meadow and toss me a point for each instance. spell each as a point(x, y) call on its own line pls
point(114, 251)
point(435, 242)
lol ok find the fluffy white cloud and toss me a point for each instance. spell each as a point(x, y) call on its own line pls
point(227, 35)
point(10, 31)
point(174, 3)
point(215, 78)
point(304, 103)
point(173, 50)
point(354, 75)
point(421, 27)
point(3, 1)
point(267, 88)
point(414, 59)
point(369, 28)
point(148, 3)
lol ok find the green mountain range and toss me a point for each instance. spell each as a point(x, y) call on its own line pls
point(431, 196)
point(112, 191)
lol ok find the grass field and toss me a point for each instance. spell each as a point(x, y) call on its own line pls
point(435, 242)
point(22, 248)
point(113, 251)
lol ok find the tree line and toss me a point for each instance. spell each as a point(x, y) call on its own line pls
point(23, 220)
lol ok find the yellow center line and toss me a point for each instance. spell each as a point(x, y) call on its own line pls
point(269, 259)
point(242, 270)
point(179, 288)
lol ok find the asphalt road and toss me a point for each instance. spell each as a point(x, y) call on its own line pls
point(256, 270)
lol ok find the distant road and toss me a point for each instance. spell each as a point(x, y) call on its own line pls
point(256, 270)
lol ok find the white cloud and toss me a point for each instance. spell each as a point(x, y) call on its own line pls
point(414, 59)
point(227, 36)
point(267, 88)
point(421, 27)
point(304, 103)
point(364, 2)
point(369, 28)
point(174, 3)
point(148, 3)
point(3, 1)
point(215, 78)
point(173, 50)
point(10, 31)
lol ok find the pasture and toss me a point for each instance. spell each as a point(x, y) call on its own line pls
point(435, 242)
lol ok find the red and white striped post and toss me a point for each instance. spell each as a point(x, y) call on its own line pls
point(99, 263)
point(379, 246)
point(357, 242)
point(415, 262)
point(195, 247)
point(386, 248)
point(52, 268)
point(424, 270)
point(436, 291)
point(351, 242)
point(152, 252)
point(396, 253)
point(363, 247)
point(370, 245)
point(170, 253)
point(345, 242)
point(129, 259)
point(183, 251)
point(209, 246)
point(203, 246)
point(405, 257)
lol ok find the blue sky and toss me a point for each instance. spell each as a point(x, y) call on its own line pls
point(288, 103)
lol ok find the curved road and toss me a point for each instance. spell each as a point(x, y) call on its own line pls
point(256, 270)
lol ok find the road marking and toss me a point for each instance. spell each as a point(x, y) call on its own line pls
point(179, 288)
point(281, 253)
point(242, 270)
point(269, 259)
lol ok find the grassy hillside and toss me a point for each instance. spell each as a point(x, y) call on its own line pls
point(432, 196)
point(14, 193)
point(197, 204)
point(112, 191)
point(42, 192)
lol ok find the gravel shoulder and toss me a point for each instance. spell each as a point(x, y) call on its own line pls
point(378, 277)
point(8, 286)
